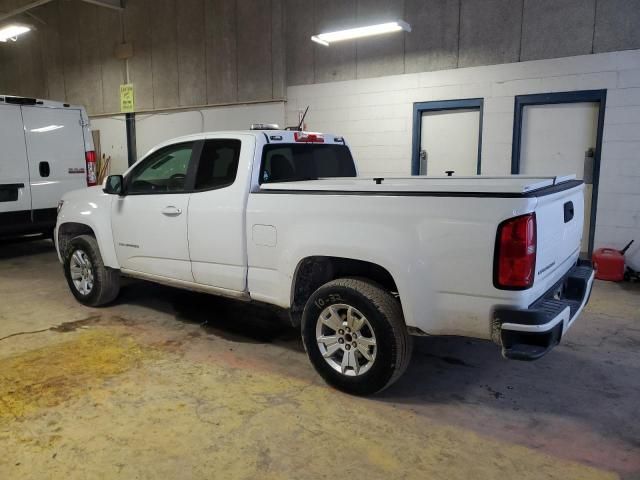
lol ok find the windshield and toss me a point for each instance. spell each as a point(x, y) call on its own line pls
point(305, 161)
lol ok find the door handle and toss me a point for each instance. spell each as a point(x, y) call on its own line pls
point(44, 169)
point(171, 211)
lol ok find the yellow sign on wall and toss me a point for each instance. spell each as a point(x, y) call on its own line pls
point(127, 98)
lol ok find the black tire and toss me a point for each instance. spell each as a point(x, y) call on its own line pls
point(106, 281)
point(384, 314)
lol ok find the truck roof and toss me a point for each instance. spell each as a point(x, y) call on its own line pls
point(272, 136)
point(36, 102)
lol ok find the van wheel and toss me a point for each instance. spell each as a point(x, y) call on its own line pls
point(355, 336)
point(90, 281)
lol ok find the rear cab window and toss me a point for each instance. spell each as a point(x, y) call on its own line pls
point(308, 161)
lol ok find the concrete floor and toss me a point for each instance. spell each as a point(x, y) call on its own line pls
point(171, 384)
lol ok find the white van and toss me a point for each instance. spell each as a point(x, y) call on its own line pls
point(46, 150)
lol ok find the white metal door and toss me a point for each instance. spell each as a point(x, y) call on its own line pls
point(15, 192)
point(449, 142)
point(561, 139)
point(55, 148)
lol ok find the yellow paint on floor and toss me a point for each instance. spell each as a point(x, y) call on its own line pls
point(47, 376)
point(102, 405)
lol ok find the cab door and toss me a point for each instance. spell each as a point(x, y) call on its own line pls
point(217, 237)
point(149, 222)
point(15, 191)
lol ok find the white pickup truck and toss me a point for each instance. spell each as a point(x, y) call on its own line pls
point(361, 264)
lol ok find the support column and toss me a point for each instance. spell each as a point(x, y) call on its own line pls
point(132, 154)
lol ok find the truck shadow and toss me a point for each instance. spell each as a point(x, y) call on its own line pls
point(583, 390)
point(233, 320)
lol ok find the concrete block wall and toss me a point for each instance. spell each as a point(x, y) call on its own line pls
point(186, 53)
point(375, 116)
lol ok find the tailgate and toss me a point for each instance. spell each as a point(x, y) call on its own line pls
point(559, 219)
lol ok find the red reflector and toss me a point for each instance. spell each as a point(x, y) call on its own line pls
point(515, 263)
point(92, 176)
point(308, 137)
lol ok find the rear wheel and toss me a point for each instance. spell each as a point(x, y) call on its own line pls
point(355, 336)
point(90, 281)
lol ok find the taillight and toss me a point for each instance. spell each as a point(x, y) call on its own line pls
point(92, 176)
point(515, 260)
point(308, 137)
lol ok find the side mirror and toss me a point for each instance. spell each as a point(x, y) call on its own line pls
point(114, 185)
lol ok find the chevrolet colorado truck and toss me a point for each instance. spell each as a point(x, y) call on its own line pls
point(361, 264)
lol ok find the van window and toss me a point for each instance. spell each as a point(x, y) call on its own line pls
point(294, 162)
point(218, 164)
point(162, 171)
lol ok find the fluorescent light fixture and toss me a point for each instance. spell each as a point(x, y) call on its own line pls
point(11, 32)
point(48, 128)
point(327, 39)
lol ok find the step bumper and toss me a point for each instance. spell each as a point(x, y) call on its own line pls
point(528, 334)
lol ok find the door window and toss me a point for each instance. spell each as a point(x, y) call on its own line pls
point(218, 164)
point(164, 171)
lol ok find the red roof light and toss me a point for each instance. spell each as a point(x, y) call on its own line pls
point(308, 137)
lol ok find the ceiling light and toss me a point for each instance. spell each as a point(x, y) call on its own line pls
point(11, 32)
point(328, 38)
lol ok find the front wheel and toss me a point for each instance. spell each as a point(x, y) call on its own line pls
point(355, 336)
point(90, 281)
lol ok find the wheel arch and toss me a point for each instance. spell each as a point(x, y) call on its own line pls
point(68, 230)
point(313, 271)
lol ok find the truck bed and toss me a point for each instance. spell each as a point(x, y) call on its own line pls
point(403, 225)
point(508, 186)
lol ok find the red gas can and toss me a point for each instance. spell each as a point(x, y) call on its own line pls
point(609, 264)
